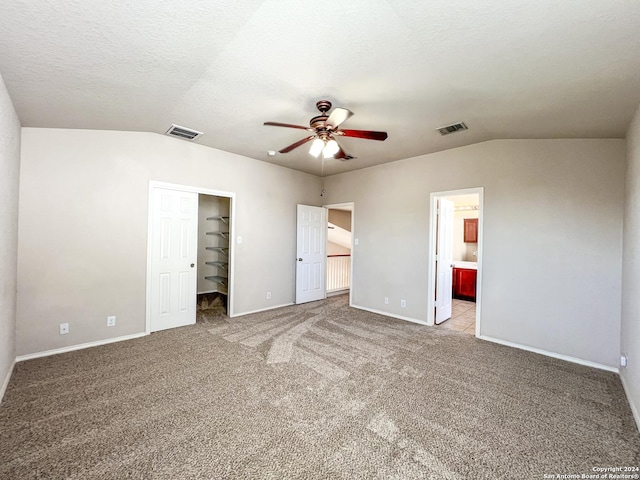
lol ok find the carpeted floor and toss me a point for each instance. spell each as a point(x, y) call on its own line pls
point(317, 391)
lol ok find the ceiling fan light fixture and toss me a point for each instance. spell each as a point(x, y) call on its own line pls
point(330, 149)
point(323, 127)
point(316, 147)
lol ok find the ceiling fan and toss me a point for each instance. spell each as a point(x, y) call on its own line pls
point(324, 128)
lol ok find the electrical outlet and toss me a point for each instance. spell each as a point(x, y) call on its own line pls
point(386, 300)
point(64, 328)
point(111, 321)
point(623, 360)
point(403, 303)
point(268, 295)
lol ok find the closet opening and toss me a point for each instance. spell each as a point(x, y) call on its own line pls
point(189, 255)
point(214, 223)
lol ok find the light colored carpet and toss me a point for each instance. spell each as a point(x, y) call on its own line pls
point(317, 391)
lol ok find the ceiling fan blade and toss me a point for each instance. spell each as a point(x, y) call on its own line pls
point(338, 116)
point(368, 134)
point(297, 144)
point(288, 125)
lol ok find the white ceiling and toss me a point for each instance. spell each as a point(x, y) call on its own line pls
point(507, 68)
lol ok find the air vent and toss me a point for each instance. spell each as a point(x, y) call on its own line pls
point(456, 127)
point(183, 132)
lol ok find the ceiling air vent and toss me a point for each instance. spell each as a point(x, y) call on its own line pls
point(183, 132)
point(455, 127)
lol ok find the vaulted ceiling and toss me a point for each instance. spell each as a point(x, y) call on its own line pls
point(507, 68)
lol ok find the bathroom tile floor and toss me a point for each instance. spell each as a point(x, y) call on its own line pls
point(463, 317)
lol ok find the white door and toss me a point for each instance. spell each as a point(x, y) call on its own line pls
point(310, 254)
point(174, 243)
point(444, 261)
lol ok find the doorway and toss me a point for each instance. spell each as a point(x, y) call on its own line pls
point(339, 265)
point(174, 265)
point(339, 248)
point(455, 272)
point(214, 221)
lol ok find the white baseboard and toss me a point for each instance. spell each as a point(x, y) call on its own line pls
point(387, 314)
point(80, 346)
point(5, 384)
point(261, 310)
point(634, 407)
point(547, 353)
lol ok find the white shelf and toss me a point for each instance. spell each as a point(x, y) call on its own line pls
point(220, 217)
point(224, 250)
point(218, 279)
point(224, 235)
point(218, 264)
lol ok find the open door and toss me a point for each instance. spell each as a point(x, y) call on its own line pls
point(173, 256)
point(310, 253)
point(444, 261)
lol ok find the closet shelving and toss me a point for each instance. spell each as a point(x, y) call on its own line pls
point(222, 218)
point(220, 264)
point(224, 235)
point(223, 250)
point(223, 265)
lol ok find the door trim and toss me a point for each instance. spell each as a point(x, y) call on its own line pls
point(431, 279)
point(200, 190)
point(352, 206)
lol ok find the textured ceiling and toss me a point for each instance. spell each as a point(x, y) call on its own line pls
point(508, 69)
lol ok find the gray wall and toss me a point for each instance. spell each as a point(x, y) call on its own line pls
point(10, 174)
point(82, 251)
point(553, 210)
point(630, 328)
point(341, 218)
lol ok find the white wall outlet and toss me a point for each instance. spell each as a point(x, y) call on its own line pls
point(111, 321)
point(623, 360)
point(386, 300)
point(64, 328)
point(239, 240)
point(355, 242)
point(403, 303)
point(268, 295)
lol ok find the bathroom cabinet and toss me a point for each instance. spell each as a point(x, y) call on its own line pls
point(470, 230)
point(464, 283)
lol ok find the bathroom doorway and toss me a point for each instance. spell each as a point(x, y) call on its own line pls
point(455, 253)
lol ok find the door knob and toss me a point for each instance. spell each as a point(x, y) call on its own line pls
point(193, 265)
point(300, 259)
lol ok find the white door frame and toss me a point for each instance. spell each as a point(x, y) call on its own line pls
point(204, 191)
point(431, 281)
point(352, 205)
